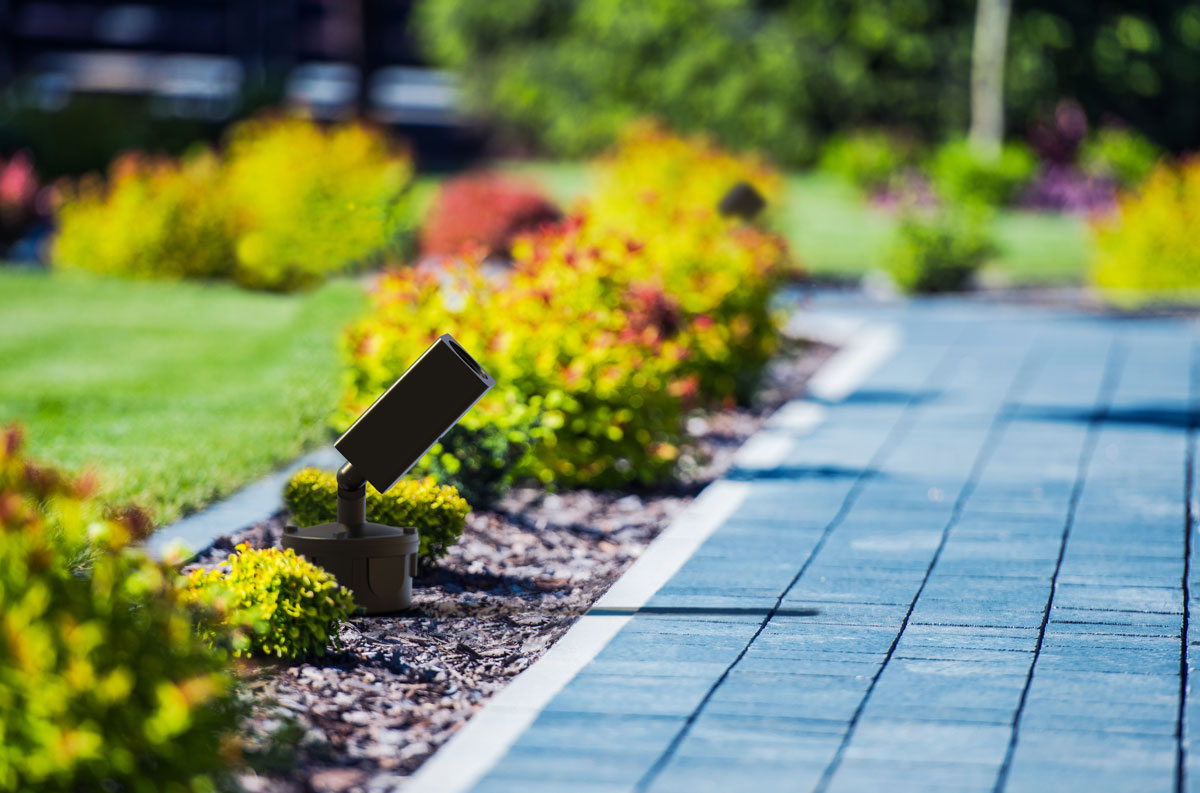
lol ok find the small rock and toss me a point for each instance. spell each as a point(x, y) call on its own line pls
point(336, 780)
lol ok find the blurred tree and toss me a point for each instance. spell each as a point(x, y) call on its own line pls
point(772, 74)
point(987, 76)
point(781, 75)
point(1136, 62)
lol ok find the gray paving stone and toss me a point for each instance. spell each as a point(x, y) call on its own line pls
point(924, 522)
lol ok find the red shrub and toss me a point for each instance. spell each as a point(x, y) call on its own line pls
point(19, 191)
point(483, 210)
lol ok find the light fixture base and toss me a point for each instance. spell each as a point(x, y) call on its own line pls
point(375, 562)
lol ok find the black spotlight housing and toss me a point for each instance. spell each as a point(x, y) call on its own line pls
point(377, 562)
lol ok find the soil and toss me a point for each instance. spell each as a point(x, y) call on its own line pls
point(368, 714)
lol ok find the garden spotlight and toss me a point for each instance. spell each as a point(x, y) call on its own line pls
point(374, 561)
point(742, 201)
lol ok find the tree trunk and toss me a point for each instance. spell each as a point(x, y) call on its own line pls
point(987, 75)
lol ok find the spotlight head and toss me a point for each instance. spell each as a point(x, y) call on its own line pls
point(419, 408)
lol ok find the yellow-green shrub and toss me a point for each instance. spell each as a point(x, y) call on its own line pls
point(438, 512)
point(285, 205)
point(104, 682)
point(270, 602)
point(606, 329)
point(155, 218)
point(308, 202)
point(1149, 250)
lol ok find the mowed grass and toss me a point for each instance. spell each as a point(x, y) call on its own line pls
point(178, 393)
point(837, 234)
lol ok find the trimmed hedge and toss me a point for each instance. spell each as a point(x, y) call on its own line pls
point(437, 511)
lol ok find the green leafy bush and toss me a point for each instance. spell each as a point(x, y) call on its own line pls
point(964, 176)
point(284, 206)
point(480, 460)
point(438, 512)
point(938, 252)
point(1148, 250)
point(104, 682)
point(869, 159)
point(1119, 154)
point(270, 602)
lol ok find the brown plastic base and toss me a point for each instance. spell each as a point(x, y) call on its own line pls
point(376, 562)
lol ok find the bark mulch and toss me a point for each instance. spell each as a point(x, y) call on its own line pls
point(363, 718)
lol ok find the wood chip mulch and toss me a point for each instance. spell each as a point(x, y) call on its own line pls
point(363, 718)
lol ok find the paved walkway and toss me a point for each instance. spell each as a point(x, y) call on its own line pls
point(973, 575)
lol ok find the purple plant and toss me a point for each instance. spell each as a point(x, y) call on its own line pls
point(908, 190)
point(1065, 188)
point(1056, 139)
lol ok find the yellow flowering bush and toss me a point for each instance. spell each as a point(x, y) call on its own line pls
point(104, 682)
point(1148, 250)
point(657, 196)
point(590, 403)
point(437, 512)
point(605, 331)
point(270, 602)
point(285, 205)
point(654, 178)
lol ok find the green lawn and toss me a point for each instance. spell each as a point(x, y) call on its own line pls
point(837, 234)
point(177, 392)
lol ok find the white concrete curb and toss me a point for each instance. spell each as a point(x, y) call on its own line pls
point(252, 504)
point(485, 739)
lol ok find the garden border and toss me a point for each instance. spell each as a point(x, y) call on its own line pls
point(252, 504)
point(468, 756)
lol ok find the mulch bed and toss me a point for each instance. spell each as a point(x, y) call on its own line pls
point(363, 718)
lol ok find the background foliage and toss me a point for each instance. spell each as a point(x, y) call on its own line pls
point(781, 75)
